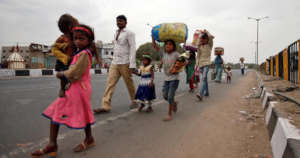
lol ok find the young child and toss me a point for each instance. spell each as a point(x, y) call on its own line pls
point(170, 56)
point(146, 90)
point(63, 48)
point(228, 73)
point(74, 110)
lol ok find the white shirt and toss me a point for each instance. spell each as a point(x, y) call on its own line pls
point(124, 48)
point(242, 65)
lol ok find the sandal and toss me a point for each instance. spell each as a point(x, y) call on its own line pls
point(101, 111)
point(141, 107)
point(199, 97)
point(149, 109)
point(84, 146)
point(48, 150)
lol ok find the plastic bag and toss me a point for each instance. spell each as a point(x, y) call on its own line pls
point(174, 31)
point(196, 37)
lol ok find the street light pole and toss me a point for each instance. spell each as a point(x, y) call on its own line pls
point(257, 31)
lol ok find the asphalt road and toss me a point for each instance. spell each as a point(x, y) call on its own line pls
point(24, 99)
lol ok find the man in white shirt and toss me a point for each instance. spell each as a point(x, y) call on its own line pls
point(123, 64)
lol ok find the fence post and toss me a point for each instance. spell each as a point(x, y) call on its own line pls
point(285, 65)
point(272, 67)
point(298, 61)
point(277, 65)
point(266, 67)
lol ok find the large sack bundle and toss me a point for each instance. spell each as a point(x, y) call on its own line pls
point(219, 51)
point(174, 31)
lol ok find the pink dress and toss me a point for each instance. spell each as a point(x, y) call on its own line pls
point(74, 110)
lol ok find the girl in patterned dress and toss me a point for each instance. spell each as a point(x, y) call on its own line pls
point(146, 91)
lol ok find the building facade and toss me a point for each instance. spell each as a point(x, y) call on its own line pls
point(107, 53)
point(36, 56)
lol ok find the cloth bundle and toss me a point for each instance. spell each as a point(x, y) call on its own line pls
point(180, 63)
point(174, 31)
point(190, 47)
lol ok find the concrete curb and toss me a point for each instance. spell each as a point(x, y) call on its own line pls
point(36, 72)
point(266, 99)
point(284, 137)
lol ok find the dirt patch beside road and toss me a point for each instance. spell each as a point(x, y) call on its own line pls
point(232, 128)
point(285, 107)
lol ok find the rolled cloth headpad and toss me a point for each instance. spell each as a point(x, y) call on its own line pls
point(147, 56)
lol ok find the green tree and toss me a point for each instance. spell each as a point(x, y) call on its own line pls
point(148, 48)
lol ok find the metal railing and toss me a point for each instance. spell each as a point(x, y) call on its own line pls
point(280, 66)
point(293, 51)
point(285, 64)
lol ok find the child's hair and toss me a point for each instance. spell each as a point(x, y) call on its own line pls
point(172, 42)
point(147, 56)
point(89, 33)
point(229, 68)
point(204, 36)
point(66, 22)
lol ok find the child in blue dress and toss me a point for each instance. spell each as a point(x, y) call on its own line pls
point(146, 90)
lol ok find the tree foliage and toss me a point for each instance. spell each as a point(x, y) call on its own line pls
point(148, 48)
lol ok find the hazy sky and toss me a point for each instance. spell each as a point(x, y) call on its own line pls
point(36, 21)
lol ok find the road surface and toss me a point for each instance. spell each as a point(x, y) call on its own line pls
point(23, 129)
